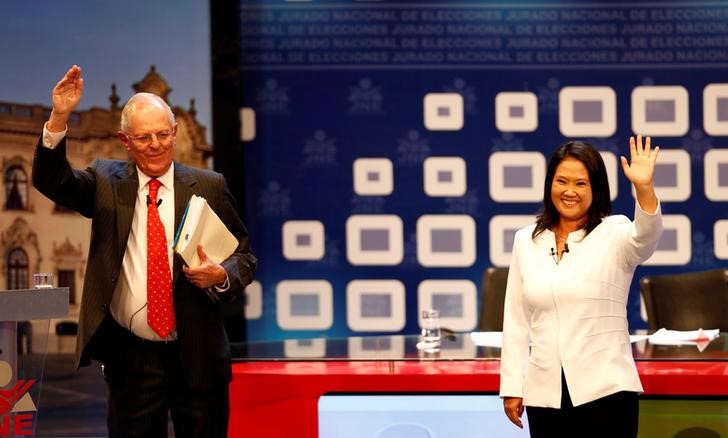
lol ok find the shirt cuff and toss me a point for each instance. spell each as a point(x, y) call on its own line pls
point(658, 210)
point(51, 139)
point(224, 286)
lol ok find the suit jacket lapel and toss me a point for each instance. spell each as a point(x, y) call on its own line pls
point(126, 187)
point(183, 191)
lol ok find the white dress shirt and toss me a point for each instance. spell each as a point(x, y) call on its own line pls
point(129, 302)
point(573, 315)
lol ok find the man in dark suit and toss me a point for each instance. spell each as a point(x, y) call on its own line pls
point(156, 326)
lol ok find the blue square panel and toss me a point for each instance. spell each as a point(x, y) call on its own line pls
point(659, 110)
point(303, 239)
point(501, 232)
point(723, 174)
point(668, 241)
point(517, 176)
point(672, 177)
point(675, 245)
point(723, 109)
point(375, 239)
point(455, 299)
point(376, 305)
point(509, 236)
point(444, 240)
point(444, 176)
point(665, 175)
point(588, 111)
point(715, 109)
point(450, 305)
point(303, 304)
point(516, 111)
point(715, 162)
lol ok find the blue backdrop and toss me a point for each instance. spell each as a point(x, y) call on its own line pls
point(328, 86)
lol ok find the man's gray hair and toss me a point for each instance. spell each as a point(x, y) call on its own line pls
point(132, 103)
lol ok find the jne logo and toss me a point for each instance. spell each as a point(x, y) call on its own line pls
point(17, 410)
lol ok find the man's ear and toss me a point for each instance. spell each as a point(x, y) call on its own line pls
point(124, 139)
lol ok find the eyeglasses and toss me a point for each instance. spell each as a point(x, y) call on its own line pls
point(146, 139)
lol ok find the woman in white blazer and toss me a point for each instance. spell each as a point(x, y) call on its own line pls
point(566, 352)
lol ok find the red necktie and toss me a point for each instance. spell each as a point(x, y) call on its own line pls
point(160, 312)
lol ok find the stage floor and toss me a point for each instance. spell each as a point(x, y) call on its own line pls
point(72, 403)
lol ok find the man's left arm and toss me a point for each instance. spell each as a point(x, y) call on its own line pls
point(228, 279)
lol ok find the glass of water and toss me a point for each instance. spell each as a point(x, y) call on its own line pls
point(43, 280)
point(430, 336)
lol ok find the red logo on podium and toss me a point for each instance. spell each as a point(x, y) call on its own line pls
point(8, 397)
point(17, 410)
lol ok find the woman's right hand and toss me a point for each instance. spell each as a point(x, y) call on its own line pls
point(514, 409)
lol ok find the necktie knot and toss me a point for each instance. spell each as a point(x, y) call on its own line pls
point(154, 184)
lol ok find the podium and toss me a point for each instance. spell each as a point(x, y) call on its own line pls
point(24, 322)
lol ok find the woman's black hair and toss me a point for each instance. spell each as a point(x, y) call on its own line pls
point(601, 203)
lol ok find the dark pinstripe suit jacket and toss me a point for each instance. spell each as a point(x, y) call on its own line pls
point(106, 193)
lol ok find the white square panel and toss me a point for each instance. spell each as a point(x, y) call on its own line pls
point(516, 111)
point(455, 299)
point(502, 229)
point(254, 300)
point(373, 176)
point(374, 239)
point(672, 175)
point(660, 111)
point(446, 240)
point(303, 240)
point(304, 348)
point(611, 163)
point(443, 111)
point(516, 176)
point(720, 239)
point(674, 247)
point(375, 305)
point(376, 347)
point(247, 124)
point(304, 304)
point(716, 174)
point(715, 109)
point(587, 111)
point(445, 176)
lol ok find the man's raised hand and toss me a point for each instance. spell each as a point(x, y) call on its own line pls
point(65, 96)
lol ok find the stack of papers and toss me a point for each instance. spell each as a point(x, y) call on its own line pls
point(681, 337)
point(663, 336)
point(201, 226)
point(487, 339)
